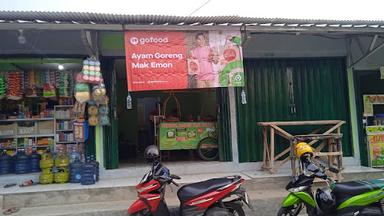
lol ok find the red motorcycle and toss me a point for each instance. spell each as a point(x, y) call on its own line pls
point(214, 197)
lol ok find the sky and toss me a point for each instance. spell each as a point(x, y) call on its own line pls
point(300, 9)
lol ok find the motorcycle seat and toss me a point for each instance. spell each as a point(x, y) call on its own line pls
point(345, 190)
point(193, 190)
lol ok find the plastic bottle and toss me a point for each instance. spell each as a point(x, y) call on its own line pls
point(243, 97)
point(129, 101)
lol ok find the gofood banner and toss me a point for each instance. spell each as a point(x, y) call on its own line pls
point(183, 60)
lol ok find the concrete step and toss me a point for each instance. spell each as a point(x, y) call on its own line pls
point(257, 182)
point(267, 204)
point(110, 189)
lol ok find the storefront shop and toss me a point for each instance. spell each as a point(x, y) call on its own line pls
point(47, 110)
point(158, 92)
point(295, 89)
point(177, 93)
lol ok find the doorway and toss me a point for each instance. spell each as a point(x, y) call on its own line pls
point(366, 83)
point(136, 130)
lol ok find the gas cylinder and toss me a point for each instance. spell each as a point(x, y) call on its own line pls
point(46, 176)
point(46, 161)
point(62, 160)
point(61, 175)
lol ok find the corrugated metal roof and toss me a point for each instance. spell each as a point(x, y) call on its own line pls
point(101, 18)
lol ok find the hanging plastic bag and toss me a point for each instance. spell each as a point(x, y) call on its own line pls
point(82, 94)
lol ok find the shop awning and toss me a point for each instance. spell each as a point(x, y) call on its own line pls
point(81, 20)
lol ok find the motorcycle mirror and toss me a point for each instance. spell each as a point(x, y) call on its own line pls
point(173, 176)
point(334, 169)
point(312, 168)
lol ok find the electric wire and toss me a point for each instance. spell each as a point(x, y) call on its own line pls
point(201, 6)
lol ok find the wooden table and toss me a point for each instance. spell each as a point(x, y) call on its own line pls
point(331, 138)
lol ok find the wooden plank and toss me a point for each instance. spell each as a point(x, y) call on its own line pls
point(325, 154)
point(318, 136)
point(328, 131)
point(272, 142)
point(298, 123)
point(282, 132)
point(320, 147)
point(264, 150)
point(293, 158)
point(283, 153)
point(339, 148)
point(266, 157)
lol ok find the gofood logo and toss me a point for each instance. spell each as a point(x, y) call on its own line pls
point(134, 40)
point(145, 40)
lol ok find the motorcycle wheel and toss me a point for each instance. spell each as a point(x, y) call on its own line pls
point(235, 209)
point(291, 211)
point(208, 149)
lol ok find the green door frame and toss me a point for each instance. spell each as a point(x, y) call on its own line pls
point(354, 117)
point(110, 139)
point(360, 134)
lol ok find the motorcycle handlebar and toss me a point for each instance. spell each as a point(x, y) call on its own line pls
point(173, 182)
point(323, 163)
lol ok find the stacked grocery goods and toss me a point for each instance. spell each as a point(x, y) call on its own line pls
point(30, 84)
point(64, 81)
point(15, 85)
point(49, 85)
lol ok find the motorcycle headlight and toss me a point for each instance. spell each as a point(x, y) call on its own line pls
point(297, 189)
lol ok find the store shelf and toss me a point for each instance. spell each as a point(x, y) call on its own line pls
point(38, 146)
point(27, 136)
point(64, 106)
point(66, 142)
point(28, 119)
point(68, 130)
point(64, 119)
point(8, 148)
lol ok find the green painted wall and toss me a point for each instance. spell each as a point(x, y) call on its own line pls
point(320, 93)
point(112, 40)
